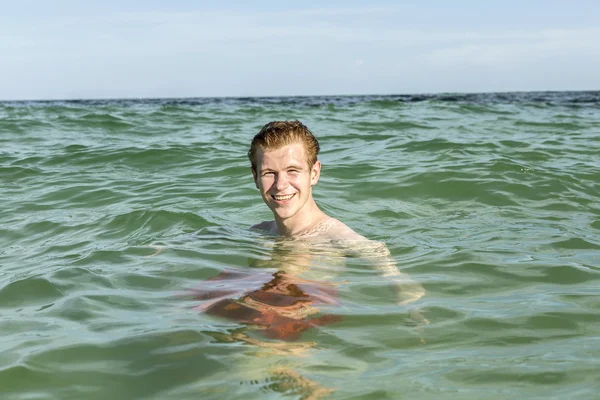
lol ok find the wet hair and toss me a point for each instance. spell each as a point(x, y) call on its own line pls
point(277, 134)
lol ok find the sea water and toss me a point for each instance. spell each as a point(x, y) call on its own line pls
point(112, 212)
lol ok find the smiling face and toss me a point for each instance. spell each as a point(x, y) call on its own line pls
point(285, 180)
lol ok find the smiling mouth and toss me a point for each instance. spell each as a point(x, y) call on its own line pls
point(283, 198)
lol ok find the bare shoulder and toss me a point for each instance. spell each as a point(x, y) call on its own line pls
point(356, 244)
point(268, 226)
point(341, 231)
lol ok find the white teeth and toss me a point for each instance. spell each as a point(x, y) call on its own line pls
point(289, 196)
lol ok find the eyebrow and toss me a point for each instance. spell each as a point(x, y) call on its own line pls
point(291, 166)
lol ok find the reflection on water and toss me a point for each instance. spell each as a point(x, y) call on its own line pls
point(274, 296)
point(279, 303)
point(291, 291)
point(274, 299)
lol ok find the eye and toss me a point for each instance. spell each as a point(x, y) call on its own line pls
point(270, 173)
point(293, 171)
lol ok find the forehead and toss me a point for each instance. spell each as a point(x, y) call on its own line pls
point(289, 155)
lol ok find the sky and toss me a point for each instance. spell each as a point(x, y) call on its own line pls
point(73, 49)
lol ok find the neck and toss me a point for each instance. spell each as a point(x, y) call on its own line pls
point(305, 219)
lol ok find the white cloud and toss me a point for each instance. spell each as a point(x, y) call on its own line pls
point(518, 48)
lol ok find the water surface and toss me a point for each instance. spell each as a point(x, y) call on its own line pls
point(490, 201)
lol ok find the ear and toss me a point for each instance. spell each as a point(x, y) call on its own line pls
point(254, 174)
point(315, 173)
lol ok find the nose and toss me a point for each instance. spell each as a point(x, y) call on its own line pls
point(281, 182)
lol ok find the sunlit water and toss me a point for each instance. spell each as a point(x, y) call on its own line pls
point(115, 215)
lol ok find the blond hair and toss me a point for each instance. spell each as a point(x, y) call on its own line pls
point(277, 134)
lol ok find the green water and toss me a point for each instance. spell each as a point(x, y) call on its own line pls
point(491, 202)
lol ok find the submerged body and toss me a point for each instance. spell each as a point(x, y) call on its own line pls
point(285, 296)
point(277, 303)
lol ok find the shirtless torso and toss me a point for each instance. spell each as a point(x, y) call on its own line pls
point(285, 295)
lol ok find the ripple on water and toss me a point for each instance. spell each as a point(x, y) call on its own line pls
point(142, 222)
point(29, 291)
point(488, 200)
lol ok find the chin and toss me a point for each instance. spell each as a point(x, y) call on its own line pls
point(283, 214)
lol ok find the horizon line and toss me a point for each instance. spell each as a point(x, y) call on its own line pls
point(298, 96)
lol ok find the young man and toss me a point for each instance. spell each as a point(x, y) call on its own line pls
point(285, 168)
